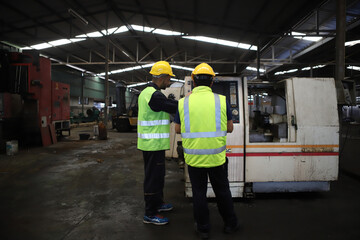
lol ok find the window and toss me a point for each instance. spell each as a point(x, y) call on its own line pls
point(267, 112)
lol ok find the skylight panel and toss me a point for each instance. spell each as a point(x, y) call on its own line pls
point(227, 43)
point(142, 28)
point(166, 32)
point(94, 34)
point(77, 39)
point(60, 42)
point(109, 31)
point(41, 46)
point(244, 46)
point(254, 48)
point(121, 29)
point(222, 42)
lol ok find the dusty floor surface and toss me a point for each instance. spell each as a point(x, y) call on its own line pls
point(92, 189)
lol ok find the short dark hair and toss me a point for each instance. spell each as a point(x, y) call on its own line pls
point(203, 80)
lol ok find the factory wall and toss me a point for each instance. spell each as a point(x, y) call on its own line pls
point(93, 89)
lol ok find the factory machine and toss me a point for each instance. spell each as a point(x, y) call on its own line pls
point(285, 137)
point(33, 109)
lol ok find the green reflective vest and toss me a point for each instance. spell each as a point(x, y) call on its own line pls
point(203, 127)
point(153, 127)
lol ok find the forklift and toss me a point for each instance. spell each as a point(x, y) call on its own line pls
point(125, 119)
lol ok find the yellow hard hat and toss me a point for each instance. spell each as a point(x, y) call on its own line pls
point(161, 67)
point(203, 68)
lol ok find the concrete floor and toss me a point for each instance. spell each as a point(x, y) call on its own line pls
point(93, 190)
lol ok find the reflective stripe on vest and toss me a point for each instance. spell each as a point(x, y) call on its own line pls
point(218, 132)
point(153, 123)
point(204, 151)
point(153, 135)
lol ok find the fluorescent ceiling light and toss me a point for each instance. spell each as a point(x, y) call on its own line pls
point(354, 68)
point(137, 84)
point(177, 80)
point(222, 42)
point(255, 69)
point(283, 72)
point(74, 67)
point(183, 68)
point(143, 66)
point(302, 36)
point(312, 39)
point(126, 69)
point(352, 43)
point(314, 67)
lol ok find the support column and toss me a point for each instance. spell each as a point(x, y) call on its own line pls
point(258, 60)
point(106, 84)
point(340, 49)
point(82, 93)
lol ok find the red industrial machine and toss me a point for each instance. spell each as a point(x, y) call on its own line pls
point(60, 99)
point(33, 109)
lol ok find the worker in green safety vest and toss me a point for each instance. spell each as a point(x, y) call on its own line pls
point(154, 138)
point(203, 119)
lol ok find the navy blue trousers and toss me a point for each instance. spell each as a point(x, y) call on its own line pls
point(220, 185)
point(154, 166)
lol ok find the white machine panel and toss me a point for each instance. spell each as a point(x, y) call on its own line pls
point(310, 152)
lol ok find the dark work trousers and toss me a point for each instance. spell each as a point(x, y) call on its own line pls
point(220, 185)
point(154, 165)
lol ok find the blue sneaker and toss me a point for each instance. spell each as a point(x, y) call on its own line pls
point(165, 207)
point(157, 220)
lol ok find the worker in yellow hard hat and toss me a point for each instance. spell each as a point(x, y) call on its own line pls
point(161, 72)
point(154, 138)
point(203, 119)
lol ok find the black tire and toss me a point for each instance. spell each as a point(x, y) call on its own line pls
point(122, 125)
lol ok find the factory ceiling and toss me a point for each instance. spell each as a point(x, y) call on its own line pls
point(228, 34)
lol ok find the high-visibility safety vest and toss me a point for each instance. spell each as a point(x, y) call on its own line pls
point(153, 127)
point(203, 127)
